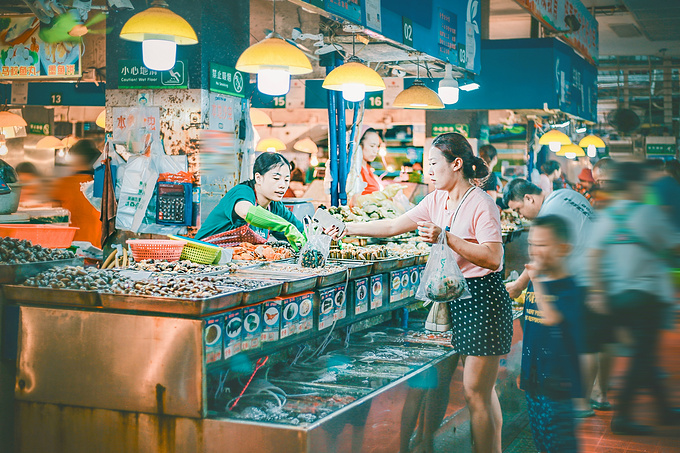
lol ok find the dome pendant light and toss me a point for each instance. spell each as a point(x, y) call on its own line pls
point(418, 96)
point(274, 61)
point(354, 79)
point(591, 143)
point(554, 139)
point(448, 87)
point(159, 30)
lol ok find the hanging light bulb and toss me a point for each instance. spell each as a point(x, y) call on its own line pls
point(273, 60)
point(354, 79)
point(3, 145)
point(314, 161)
point(159, 30)
point(592, 151)
point(571, 151)
point(554, 139)
point(448, 87)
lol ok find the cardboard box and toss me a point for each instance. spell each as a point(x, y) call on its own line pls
point(306, 311)
point(361, 296)
point(212, 338)
point(340, 302)
point(395, 286)
point(271, 315)
point(252, 326)
point(291, 316)
point(376, 293)
point(326, 311)
point(233, 327)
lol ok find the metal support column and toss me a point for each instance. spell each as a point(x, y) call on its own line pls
point(332, 144)
point(341, 132)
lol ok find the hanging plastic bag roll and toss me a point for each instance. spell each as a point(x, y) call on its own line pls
point(442, 279)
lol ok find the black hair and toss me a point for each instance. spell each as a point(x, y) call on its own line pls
point(453, 146)
point(558, 225)
point(516, 189)
point(370, 130)
point(87, 150)
point(27, 168)
point(606, 165)
point(264, 163)
point(488, 153)
point(550, 166)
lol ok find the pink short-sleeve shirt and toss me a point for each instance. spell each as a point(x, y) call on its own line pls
point(478, 221)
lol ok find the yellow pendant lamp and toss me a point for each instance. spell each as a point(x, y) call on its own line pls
point(591, 143)
point(418, 96)
point(306, 145)
point(570, 151)
point(69, 141)
point(159, 30)
point(271, 145)
point(273, 60)
point(101, 119)
point(9, 120)
point(49, 142)
point(259, 118)
point(554, 139)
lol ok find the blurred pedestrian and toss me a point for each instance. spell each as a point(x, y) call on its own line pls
point(550, 171)
point(631, 281)
point(489, 155)
point(585, 184)
point(31, 180)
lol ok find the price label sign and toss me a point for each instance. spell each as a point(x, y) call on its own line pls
point(374, 100)
point(407, 31)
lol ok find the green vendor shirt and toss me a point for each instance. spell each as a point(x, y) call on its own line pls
point(224, 218)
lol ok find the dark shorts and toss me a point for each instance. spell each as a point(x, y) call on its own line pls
point(482, 325)
point(598, 331)
point(552, 424)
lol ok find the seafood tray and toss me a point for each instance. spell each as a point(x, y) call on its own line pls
point(326, 276)
point(171, 305)
point(426, 337)
point(355, 269)
point(15, 273)
point(253, 296)
point(51, 296)
point(289, 284)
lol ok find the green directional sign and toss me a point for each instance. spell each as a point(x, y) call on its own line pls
point(133, 74)
point(439, 128)
point(39, 128)
point(661, 149)
point(227, 80)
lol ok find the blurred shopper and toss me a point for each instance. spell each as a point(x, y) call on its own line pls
point(603, 176)
point(490, 156)
point(585, 184)
point(550, 171)
point(630, 280)
point(31, 185)
point(673, 169)
point(664, 190)
point(66, 191)
point(552, 339)
point(529, 201)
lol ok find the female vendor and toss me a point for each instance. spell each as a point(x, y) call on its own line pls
point(257, 203)
point(370, 146)
point(482, 325)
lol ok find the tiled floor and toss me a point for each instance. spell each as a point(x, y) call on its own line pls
point(595, 434)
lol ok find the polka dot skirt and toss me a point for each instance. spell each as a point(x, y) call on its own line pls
point(482, 325)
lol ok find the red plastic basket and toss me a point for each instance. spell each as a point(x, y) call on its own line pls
point(156, 249)
point(50, 236)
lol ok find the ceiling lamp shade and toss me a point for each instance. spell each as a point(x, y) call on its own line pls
point(259, 118)
point(69, 141)
point(554, 139)
point(571, 151)
point(101, 119)
point(418, 96)
point(271, 145)
point(49, 142)
point(448, 87)
point(274, 61)
point(8, 119)
point(306, 145)
point(591, 143)
point(159, 30)
point(354, 79)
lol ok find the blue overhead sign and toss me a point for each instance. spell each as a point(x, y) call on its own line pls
point(444, 29)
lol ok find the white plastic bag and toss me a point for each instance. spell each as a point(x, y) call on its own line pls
point(442, 279)
point(138, 184)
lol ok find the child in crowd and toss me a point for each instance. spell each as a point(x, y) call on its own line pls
point(550, 365)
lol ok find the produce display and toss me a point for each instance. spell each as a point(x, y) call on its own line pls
point(312, 258)
point(179, 267)
point(290, 268)
point(177, 287)
point(510, 221)
point(261, 252)
point(21, 251)
point(374, 206)
point(378, 252)
point(75, 277)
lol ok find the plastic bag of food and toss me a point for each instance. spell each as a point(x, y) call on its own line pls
point(315, 252)
point(442, 279)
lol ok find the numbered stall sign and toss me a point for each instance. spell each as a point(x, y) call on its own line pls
point(407, 29)
point(374, 100)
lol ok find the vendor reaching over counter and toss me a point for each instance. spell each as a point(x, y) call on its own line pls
point(257, 204)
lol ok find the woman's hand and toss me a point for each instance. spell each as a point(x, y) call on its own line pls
point(429, 232)
point(335, 233)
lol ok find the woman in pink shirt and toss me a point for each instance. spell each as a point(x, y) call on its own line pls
point(482, 325)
